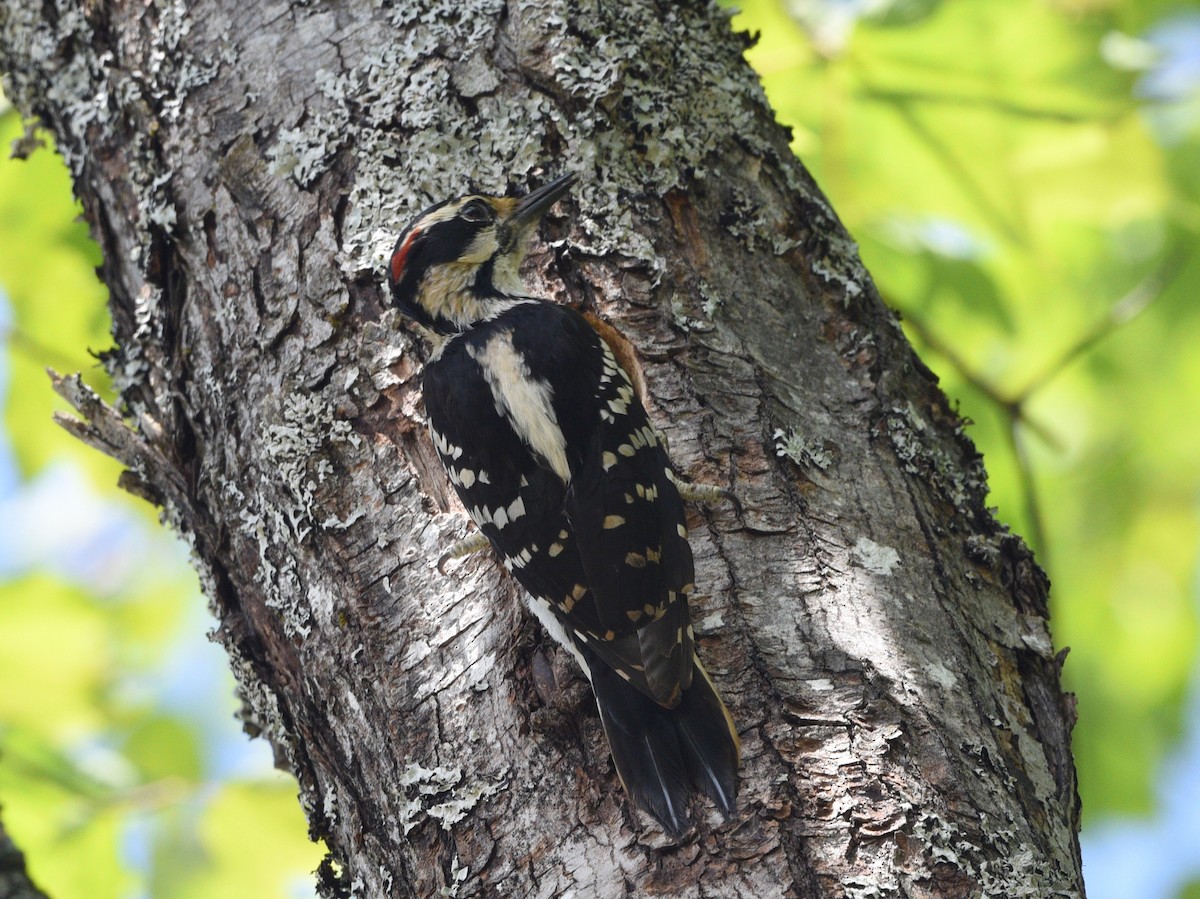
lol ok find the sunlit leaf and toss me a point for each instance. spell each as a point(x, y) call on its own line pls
point(1190, 891)
point(265, 816)
point(47, 272)
point(163, 747)
point(54, 656)
point(71, 841)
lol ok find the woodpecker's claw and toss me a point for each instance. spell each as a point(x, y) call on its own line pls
point(701, 493)
point(472, 543)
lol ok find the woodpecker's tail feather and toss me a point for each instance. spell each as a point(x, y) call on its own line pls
point(710, 742)
point(662, 755)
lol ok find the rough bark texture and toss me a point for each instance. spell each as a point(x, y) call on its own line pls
point(881, 641)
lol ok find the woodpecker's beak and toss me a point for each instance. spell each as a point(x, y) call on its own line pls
point(535, 203)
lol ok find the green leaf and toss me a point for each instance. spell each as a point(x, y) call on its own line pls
point(47, 272)
point(163, 747)
point(1190, 890)
point(55, 656)
point(70, 838)
point(244, 824)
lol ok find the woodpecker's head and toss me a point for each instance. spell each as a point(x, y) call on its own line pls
point(460, 257)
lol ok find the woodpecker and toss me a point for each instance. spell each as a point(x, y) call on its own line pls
point(550, 449)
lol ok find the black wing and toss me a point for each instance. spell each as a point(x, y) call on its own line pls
point(628, 520)
point(598, 531)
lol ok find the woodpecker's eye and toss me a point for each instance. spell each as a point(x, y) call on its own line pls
point(476, 211)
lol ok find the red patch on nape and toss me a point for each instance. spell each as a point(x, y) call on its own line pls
point(401, 254)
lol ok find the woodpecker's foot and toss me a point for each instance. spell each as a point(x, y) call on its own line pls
point(700, 493)
point(472, 543)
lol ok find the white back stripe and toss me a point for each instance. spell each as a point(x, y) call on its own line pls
point(523, 400)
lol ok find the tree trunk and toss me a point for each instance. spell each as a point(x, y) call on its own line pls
point(880, 640)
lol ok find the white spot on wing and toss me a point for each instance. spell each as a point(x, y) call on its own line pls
point(517, 509)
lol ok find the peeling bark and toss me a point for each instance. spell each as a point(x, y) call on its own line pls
point(881, 641)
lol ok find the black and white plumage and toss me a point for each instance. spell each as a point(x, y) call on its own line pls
point(551, 452)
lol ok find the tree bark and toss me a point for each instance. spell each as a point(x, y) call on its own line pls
point(882, 642)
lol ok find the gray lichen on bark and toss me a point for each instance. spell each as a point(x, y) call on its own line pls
point(881, 641)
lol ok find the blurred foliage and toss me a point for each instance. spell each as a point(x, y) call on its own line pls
point(47, 273)
point(112, 781)
point(1022, 179)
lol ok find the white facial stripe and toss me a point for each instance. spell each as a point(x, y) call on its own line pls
point(447, 212)
point(481, 249)
point(445, 291)
point(524, 400)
